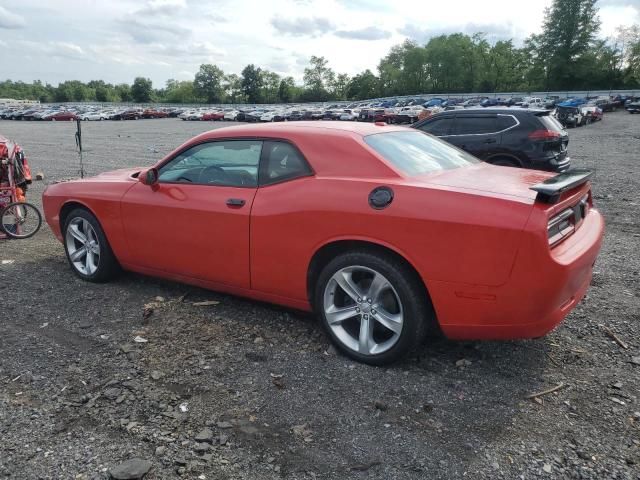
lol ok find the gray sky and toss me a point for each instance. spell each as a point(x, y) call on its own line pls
point(117, 40)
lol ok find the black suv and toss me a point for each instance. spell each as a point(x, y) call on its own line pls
point(510, 137)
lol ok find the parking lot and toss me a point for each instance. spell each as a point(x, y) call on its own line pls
point(240, 389)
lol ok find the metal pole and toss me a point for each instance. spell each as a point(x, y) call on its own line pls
point(79, 144)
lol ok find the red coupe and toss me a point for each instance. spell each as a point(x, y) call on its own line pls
point(385, 232)
point(212, 116)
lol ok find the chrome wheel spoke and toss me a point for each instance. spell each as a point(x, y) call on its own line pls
point(378, 285)
point(77, 234)
point(389, 320)
point(365, 338)
point(344, 278)
point(336, 315)
point(78, 254)
point(88, 263)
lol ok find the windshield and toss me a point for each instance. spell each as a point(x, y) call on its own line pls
point(416, 153)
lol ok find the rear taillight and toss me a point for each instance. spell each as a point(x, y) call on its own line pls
point(544, 134)
point(565, 223)
point(561, 226)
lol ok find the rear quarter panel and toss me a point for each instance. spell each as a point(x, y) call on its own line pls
point(446, 234)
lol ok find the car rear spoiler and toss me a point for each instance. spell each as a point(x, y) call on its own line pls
point(552, 188)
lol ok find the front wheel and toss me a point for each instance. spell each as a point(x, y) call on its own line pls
point(87, 248)
point(372, 306)
point(20, 220)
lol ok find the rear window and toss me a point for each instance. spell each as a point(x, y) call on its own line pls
point(550, 123)
point(416, 153)
point(465, 125)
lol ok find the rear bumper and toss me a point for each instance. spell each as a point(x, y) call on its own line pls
point(543, 288)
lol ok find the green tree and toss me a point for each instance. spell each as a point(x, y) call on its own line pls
point(569, 32)
point(141, 90)
point(286, 89)
point(251, 83)
point(363, 86)
point(232, 87)
point(180, 92)
point(208, 83)
point(318, 77)
point(270, 86)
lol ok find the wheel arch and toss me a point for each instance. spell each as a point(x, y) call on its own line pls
point(332, 248)
point(505, 156)
point(69, 206)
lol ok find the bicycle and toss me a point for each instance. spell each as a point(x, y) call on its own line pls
point(18, 218)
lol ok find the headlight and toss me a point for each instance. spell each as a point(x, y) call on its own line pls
point(561, 226)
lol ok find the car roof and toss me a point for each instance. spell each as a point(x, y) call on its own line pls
point(283, 129)
point(495, 110)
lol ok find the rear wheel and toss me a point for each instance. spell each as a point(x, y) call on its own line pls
point(372, 306)
point(87, 248)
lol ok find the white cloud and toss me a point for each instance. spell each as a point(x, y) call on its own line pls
point(10, 20)
point(121, 39)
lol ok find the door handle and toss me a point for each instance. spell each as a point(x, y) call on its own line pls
point(490, 140)
point(236, 202)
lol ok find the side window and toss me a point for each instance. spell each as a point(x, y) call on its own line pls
point(505, 121)
point(438, 127)
point(467, 125)
point(231, 163)
point(282, 161)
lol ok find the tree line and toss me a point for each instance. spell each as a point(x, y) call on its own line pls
point(566, 55)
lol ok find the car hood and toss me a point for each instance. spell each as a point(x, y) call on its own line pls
point(491, 179)
point(122, 174)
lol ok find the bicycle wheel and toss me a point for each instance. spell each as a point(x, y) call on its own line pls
point(20, 220)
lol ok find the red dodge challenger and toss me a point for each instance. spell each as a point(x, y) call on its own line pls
point(385, 232)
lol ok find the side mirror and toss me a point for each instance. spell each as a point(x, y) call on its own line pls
point(148, 177)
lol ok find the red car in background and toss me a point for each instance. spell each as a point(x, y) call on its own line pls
point(153, 113)
point(385, 232)
point(61, 116)
point(214, 116)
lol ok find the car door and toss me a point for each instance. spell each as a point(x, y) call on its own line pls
point(194, 221)
point(477, 134)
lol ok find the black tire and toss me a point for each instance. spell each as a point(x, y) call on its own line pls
point(28, 212)
point(504, 162)
point(417, 312)
point(108, 266)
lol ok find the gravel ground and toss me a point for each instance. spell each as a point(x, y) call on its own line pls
point(247, 390)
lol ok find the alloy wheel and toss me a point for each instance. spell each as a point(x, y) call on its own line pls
point(83, 246)
point(363, 310)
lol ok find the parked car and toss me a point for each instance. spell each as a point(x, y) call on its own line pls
point(153, 113)
point(274, 116)
point(605, 104)
point(348, 115)
point(514, 102)
point(93, 116)
point(128, 114)
point(408, 114)
point(633, 107)
point(212, 116)
point(231, 115)
point(569, 115)
point(532, 102)
point(491, 102)
point(591, 113)
point(389, 216)
point(507, 137)
point(61, 116)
